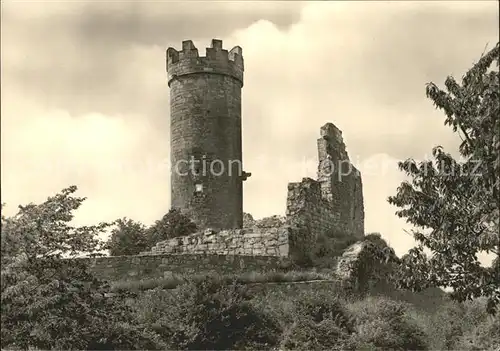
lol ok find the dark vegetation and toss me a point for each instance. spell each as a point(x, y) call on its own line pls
point(131, 238)
point(176, 280)
point(328, 246)
point(49, 302)
point(454, 204)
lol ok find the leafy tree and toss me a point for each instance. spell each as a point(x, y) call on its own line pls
point(49, 301)
point(171, 225)
point(454, 204)
point(127, 238)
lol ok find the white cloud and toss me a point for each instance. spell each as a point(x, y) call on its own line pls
point(105, 156)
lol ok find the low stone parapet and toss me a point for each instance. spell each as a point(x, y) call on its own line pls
point(244, 242)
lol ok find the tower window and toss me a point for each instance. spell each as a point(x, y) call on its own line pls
point(198, 188)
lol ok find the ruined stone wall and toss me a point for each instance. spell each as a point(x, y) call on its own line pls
point(330, 206)
point(340, 181)
point(247, 242)
point(309, 215)
point(160, 266)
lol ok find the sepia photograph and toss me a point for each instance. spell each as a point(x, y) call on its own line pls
point(250, 175)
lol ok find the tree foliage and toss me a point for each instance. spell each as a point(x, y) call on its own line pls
point(127, 238)
point(50, 302)
point(384, 324)
point(454, 203)
point(172, 225)
point(130, 237)
point(40, 231)
point(208, 315)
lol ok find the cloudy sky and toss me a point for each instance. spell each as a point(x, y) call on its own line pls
point(85, 99)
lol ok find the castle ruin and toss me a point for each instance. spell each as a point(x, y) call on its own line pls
point(205, 104)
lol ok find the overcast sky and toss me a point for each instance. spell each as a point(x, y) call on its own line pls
point(85, 99)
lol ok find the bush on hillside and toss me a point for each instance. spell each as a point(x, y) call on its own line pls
point(320, 322)
point(318, 307)
point(330, 246)
point(446, 325)
point(480, 331)
point(483, 336)
point(208, 315)
point(172, 225)
point(463, 326)
point(333, 244)
point(127, 238)
point(386, 325)
point(51, 303)
point(305, 334)
point(376, 238)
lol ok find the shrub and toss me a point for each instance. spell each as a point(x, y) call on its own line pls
point(67, 308)
point(321, 322)
point(446, 325)
point(127, 238)
point(464, 326)
point(248, 221)
point(377, 239)
point(333, 244)
point(481, 331)
point(482, 336)
point(52, 303)
point(305, 334)
point(172, 225)
point(385, 324)
point(175, 280)
point(153, 309)
point(208, 315)
point(319, 307)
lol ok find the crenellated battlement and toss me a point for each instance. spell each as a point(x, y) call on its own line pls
point(216, 61)
point(205, 119)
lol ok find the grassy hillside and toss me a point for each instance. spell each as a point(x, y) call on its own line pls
point(289, 314)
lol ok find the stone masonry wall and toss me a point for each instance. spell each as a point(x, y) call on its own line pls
point(309, 215)
point(205, 134)
point(160, 266)
point(246, 242)
point(331, 205)
point(340, 181)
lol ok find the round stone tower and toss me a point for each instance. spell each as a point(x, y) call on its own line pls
point(205, 134)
